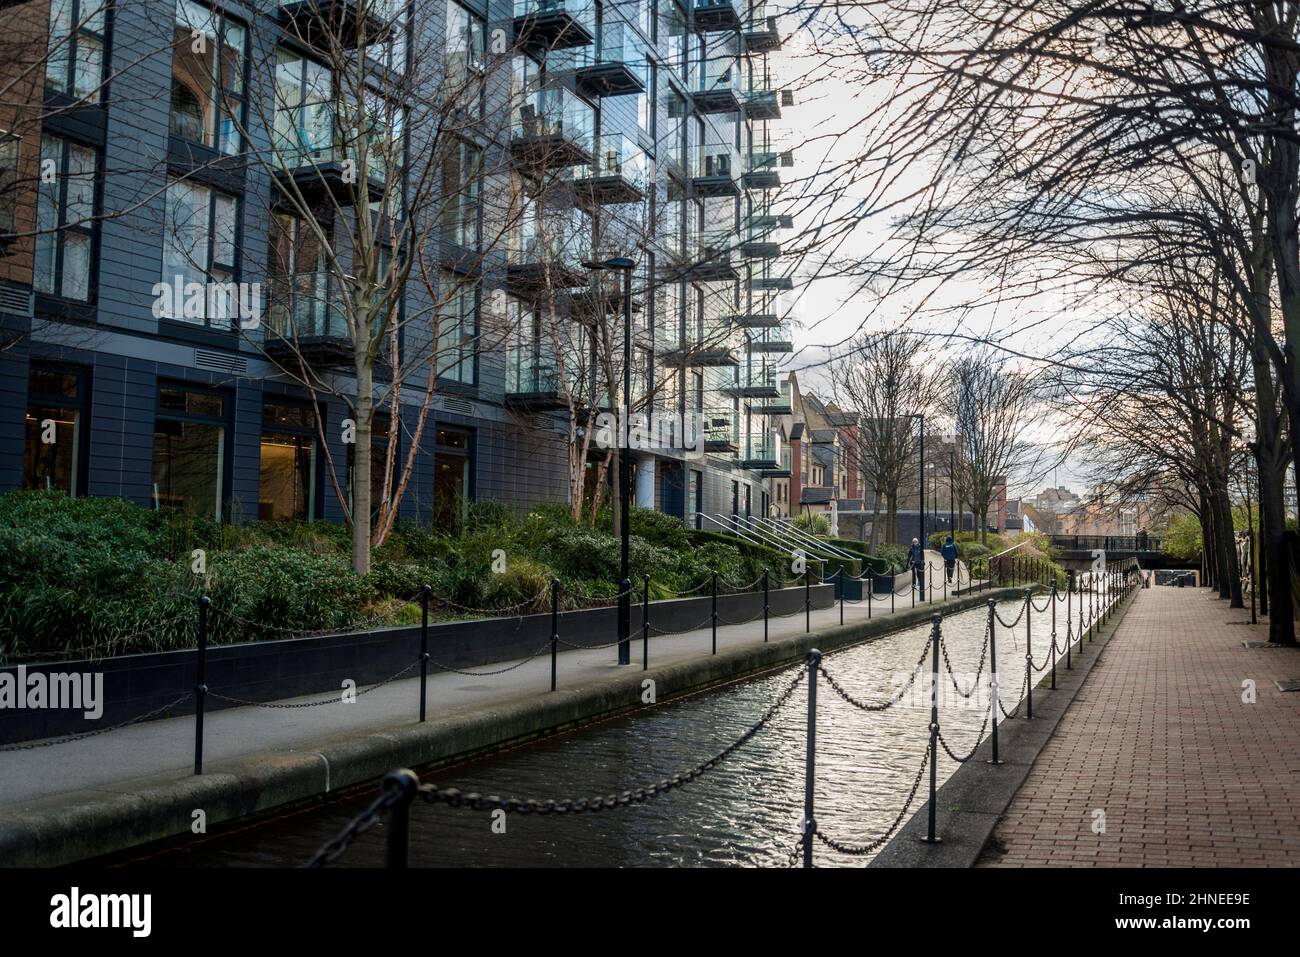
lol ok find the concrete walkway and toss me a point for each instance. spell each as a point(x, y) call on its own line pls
point(112, 761)
point(1158, 762)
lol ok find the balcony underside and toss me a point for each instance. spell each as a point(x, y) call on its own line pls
point(772, 345)
point(324, 182)
point(318, 352)
point(607, 190)
point(713, 270)
point(761, 463)
point(608, 79)
point(549, 152)
point(716, 101)
point(700, 357)
point(719, 445)
point(760, 250)
point(534, 277)
point(762, 179)
point(763, 106)
point(756, 320)
point(722, 185)
point(322, 23)
point(587, 307)
point(546, 400)
point(763, 37)
point(780, 283)
point(775, 473)
point(553, 30)
point(775, 408)
point(716, 17)
point(753, 391)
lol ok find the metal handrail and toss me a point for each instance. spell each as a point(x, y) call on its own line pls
point(797, 533)
point(806, 544)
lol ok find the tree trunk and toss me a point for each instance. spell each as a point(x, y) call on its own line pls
point(361, 492)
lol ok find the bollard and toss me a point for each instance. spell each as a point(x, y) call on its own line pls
point(1053, 634)
point(935, 637)
point(1029, 655)
point(993, 678)
point(714, 616)
point(405, 785)
point(424, 645)
point(555, 625)
point(809, 821)
point(841, 574)
point(764, 606)
point(871, 590)
point(1081, 617)
point(645, 623)
point(200, 687)
point(807, 600)
point(893, 591)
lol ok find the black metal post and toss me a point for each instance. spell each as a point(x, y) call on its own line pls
point(1029, 654)
point(406, 785)
point(555, 625)
point(200, 682)
point(764, 606)
point(714, 615)
point(1250, 543)
point(645, 623)
point(625, 477)
point(935, 637)
point(841, 574)
point(871, 590)
point(993, 678)
point(1069, 637)
point(1053, 634)
point(807, 600)
point(810, 762)
point(424, 646)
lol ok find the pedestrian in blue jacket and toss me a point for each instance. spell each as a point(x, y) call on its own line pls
point(949, 553)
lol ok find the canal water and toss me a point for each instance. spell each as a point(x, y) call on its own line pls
point(746, 811)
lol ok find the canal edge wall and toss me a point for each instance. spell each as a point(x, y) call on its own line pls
point(973, 799)
point(79, 825)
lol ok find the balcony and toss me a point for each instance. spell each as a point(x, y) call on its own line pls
point(762, 451)
point(603, 300)
point(553, 130)
point(618, 174)
point(771, 343)
point(533, 382)
point(544, 25)
point(754, 387)
point(617, 65)
point(784, 470)
point(780, 406)
point(323, 23)
point(768, 279)
point(721, 431)
point(761, 35)
point(762, 235)
point(714, 262)
point(708, 344)
point(304, 324)
point(716, 15)
point(714, 170)
point(310, 163)
point(545, 250)
point(716, 86)
point(763, 166)
point(764, 99)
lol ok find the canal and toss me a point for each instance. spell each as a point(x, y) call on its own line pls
point(745, 811)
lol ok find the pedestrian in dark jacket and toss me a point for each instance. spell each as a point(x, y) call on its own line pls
point(949, 552)
point(916, 558)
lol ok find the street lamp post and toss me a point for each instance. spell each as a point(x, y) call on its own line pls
point(624, 464)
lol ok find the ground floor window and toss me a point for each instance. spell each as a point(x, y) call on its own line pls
point(287, 470)
point(695, 496)
point(52, 456)
point(452, 480)
point(189, 451)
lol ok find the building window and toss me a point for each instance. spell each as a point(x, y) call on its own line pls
point(645, 110)
point(391, 52)
point(8, 183)
point(696, 497)
point(462, 173)
point(304, 111)
point(300, 284)
point(189, 451)
point(199, 246)
point(452, 485)
point(287, 470)
point(677, 44)
point(458, 330)
point(65, 220)
point(466, 58)
point(52, 457)
point(74, 63)
point(207, 77)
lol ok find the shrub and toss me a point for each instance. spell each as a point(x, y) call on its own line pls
point(816, 523)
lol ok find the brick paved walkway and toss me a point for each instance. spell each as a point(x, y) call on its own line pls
point(1160, 741)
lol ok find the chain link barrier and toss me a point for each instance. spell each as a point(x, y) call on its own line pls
point(860, 850)
point(155, 713)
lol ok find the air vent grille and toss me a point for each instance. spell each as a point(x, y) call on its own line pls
point(457, 405)
point(15, 299)
point(220, 362)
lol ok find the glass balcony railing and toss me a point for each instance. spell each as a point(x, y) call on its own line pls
point(767, 278)
point(553, 129)
point(721, 430)
point(756, 381)
point(716, 86)
point(765, 95)
point(715, 170)
point(763, 165)
point(324, 23)
point(615, 65)
point(533, 376)
point(708, 343)
point(717, 256)
point(548, 247)
point(764, 310)
point(715, 15)
point(300, 307)
point(618, 173)
point(762, 450)
point(782, 405)
point(543, 25)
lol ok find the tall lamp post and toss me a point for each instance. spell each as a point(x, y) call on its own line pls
point(624, 465)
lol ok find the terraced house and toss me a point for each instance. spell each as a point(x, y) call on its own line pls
point(246, 248)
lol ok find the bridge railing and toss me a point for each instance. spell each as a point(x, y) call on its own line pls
point(1110, 543)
